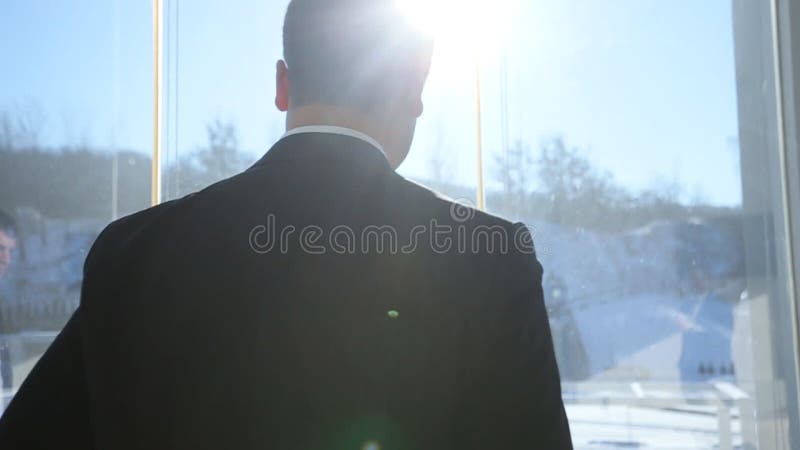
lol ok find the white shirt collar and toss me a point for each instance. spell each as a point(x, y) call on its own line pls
point(331, 129)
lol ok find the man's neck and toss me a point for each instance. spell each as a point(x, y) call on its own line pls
point(334, 116)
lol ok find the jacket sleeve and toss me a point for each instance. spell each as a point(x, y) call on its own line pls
point(51, 408)
point(512, 397)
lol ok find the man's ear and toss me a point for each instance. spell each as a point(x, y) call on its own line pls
point(418, 107)
point(417, 84)
point(282, 86)
point(415, 92)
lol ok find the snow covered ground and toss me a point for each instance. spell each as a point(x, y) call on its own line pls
point(620, 426)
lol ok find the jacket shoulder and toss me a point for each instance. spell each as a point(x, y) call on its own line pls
point(460, 210)
point(516, 247)
point(116, 235)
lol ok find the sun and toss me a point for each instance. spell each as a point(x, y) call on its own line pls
point(464, 26)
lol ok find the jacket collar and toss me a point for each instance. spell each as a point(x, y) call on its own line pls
point(331, 129)
point(325, 146)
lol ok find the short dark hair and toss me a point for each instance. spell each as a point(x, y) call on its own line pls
point(8, 224)
point(354, 53)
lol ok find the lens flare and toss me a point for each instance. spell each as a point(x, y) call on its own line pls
point(465, 25)
point(371, 445)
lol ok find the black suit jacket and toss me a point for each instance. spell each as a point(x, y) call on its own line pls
point(218, 321)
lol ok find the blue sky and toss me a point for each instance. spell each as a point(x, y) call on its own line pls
point(646, 88)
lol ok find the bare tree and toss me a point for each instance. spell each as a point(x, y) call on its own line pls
point(221, 158)
point(515, 168)
point(6, 132)
point(21, 126)
point(218, 159)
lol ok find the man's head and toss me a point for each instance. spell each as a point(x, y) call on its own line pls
point(356, 63)
point(8, 240)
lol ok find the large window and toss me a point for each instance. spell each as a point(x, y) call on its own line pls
point(644, 142)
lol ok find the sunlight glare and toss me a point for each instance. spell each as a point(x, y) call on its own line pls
point(476, 26)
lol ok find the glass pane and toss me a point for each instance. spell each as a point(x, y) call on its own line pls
point(75, 140)
point(219, 63)
point(637, 139)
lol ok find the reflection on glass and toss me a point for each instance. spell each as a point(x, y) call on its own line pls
point(75, 133)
